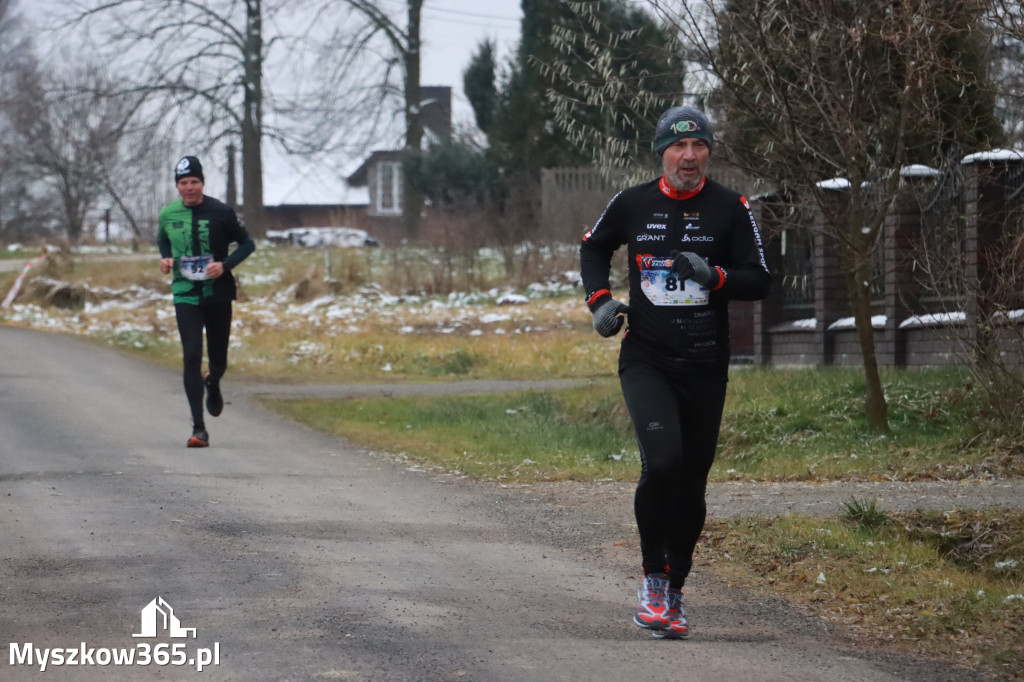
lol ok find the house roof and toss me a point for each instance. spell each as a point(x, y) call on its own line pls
point(360, 177)
point(436, 110)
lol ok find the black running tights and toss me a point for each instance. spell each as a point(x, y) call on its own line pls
point(676, 420)
point(192, 319)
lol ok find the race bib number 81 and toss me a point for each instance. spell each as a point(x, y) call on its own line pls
point(194, 267)
point(663, 287)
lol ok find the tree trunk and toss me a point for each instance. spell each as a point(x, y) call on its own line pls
point(116, 196)
point(231, 195)
point(412, 197)
point(858, 274)
point(252, 122)
point(74, 215)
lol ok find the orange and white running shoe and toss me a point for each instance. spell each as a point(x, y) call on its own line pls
point(677, 628)
point(651, 602)
point(200, 439)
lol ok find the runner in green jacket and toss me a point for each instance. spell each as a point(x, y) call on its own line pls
point(194, 236)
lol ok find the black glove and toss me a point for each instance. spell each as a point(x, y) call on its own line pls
point(608, 317)
point(688, 265)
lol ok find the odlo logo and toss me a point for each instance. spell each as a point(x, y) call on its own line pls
point(685, 127)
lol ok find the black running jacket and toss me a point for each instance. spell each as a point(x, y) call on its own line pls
point(678, 325)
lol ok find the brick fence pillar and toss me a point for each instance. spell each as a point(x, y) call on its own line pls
point(900, 241)
point(831, 294)
point(990, 177)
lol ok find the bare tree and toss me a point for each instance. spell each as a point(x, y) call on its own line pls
point(406, 45)
point(134, 185)
point(201, 66)
point(11, 41)
point(67, 129)
point(13, 191)
point(208, 59)
point(373, 70)
point(814, 90)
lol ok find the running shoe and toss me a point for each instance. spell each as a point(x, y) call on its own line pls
point(677, 628)
point(214, 400)
point(200, 439)
point(652, 605)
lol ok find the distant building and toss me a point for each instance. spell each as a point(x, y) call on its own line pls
point(381, 172)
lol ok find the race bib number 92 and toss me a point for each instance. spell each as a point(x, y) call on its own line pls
point(194, 267)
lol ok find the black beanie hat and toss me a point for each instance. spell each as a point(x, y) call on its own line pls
point(189, 167)
point(681, 122)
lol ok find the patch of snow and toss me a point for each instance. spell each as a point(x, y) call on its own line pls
point(933, 320)
point(994, 155)
point(512, 299)
point(877, 322)
point(918, 170)
point(834, 183)
point(1003, 316)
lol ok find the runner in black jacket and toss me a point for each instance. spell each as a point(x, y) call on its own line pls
point(194, 235)
point(693, 245)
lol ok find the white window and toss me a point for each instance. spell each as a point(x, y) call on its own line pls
point(388, 197)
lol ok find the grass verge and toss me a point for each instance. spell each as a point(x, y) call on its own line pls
point(520, 437)
point(808, 425)
point(945, 584)
point(778, 425)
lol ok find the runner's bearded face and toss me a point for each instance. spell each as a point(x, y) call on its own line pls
point(685, 162)
point(191, 191)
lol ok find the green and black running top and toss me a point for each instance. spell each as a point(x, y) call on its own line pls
point(200, 234)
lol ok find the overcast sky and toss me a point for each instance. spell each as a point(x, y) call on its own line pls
point(453, 28)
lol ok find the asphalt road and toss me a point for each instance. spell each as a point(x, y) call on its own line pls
point(298, 557)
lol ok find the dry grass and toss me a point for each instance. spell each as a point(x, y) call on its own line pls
point(371, 354)
point(312, 315)
point(943, 584)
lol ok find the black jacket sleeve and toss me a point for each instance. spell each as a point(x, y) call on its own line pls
point(596, 251)
point(747, 277)
point(236, 232)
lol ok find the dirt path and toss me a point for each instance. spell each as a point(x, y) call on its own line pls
point(755, 498)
